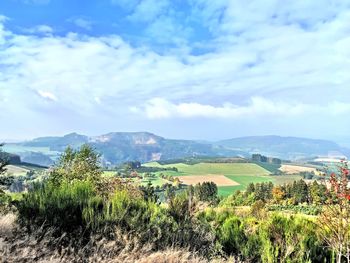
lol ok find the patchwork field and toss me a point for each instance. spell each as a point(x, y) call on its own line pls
point(237, 175)
point(295, 169)
point(16, 170)
point(214, 168)
point(219, 180)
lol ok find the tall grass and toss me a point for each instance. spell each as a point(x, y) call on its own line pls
point(60, 206)
point(75, 208)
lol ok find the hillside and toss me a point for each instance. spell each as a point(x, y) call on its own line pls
point(289, 148)
point(10, 158)
point(118, 147)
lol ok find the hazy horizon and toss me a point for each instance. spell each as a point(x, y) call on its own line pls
point(342, 141)
point(194, 69)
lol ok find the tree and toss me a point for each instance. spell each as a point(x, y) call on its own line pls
point(5, 181)
point(317, 193)
point(3, 161)
point(82, 165)
point(335, 219)
point(206, 191)
point(250, 189)
point(300, 191)
point(278, 194)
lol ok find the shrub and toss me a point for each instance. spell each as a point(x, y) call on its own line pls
point(206, 191)
point(57, 206)
point(290, 239)
point(5, 203)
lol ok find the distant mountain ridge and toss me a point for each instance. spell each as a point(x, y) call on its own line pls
point(118, 147)
point(285, 147)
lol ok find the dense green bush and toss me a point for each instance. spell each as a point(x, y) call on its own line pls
point(278, 238)
point(5, 203)
point(76, 207)
point(60, 206)
point(290, 239)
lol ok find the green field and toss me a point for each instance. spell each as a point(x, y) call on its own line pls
point(214, 168)
point(16, 170)
point(156, 181)
point(242, 173)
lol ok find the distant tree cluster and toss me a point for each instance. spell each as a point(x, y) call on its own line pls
point(204, 159)
point(146, 169)
point(308, 175)
point(265, 159)
point(295, 193)
point(206, 191)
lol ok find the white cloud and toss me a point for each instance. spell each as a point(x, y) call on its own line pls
point(289, 69)
point(43, 29)
point(47, 95)
point(82, 23)
point(159, 108)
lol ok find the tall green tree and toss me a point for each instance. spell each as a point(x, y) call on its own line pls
point(207, 191)
point(3, 161)
point(5, 181)
point(82, 165)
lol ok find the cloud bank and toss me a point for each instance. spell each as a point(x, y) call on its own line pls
point(159, 108)
point(230, 60)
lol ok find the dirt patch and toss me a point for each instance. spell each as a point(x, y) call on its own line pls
point(219, 180)
point(295, 169)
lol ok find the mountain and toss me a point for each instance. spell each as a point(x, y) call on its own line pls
point(118, 147)
point(58, 143)
point(10, 158)
point(290, 148)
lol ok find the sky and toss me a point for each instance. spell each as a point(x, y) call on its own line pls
point(191, 69)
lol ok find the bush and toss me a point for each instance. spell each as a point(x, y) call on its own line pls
point(206, 191)
point(290, 239)
point(5, 203)
point(59, 206)
point(276, 239)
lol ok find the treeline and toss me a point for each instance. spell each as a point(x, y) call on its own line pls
point(298, 192)
point(197, 160)
point(264, 159)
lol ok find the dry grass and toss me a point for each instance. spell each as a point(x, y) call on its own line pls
point(219, 180)
point(7, 224)
point(41, 246)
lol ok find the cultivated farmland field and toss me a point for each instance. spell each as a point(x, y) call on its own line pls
point(219, 180)
point(295, 169)
point(240, 174)
point(16, 170)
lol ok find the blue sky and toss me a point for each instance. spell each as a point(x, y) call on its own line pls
point(196, 69)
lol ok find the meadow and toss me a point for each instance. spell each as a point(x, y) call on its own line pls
point(240, 173)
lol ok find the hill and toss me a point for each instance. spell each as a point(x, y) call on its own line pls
point(10, 158)
point(118, 147)
point(290, 148)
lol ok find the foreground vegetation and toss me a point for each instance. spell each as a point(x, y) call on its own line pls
point(77, 214)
